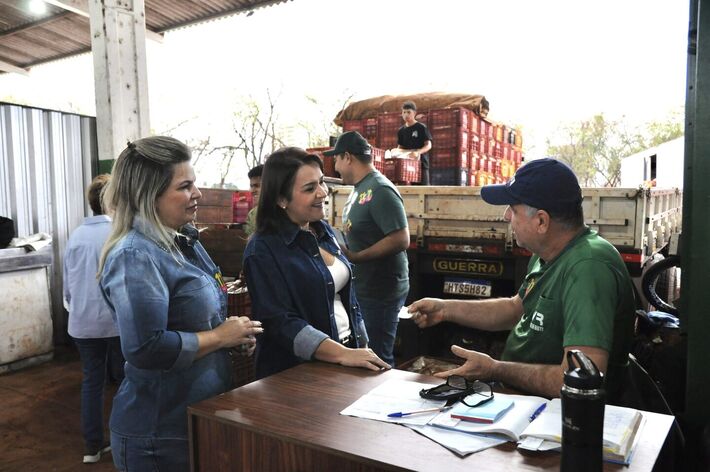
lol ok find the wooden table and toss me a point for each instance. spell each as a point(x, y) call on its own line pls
point(291, 422)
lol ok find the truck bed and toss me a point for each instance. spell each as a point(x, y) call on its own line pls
point(637, 221)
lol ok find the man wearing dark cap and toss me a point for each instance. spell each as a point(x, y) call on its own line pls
point(375, 226)
point(577, 293)
point(415, 138)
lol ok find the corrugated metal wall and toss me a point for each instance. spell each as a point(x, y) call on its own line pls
point(47, 160)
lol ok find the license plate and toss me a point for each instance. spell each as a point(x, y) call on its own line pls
point(473, 288)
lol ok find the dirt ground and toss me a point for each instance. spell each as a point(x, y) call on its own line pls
point(40, 425)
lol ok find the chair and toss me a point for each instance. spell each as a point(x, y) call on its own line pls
point(642, 393)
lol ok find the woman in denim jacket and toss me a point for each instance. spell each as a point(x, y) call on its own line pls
point(299, 281)
point(170, 304)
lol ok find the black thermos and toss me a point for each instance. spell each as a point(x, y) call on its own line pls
point(582, 415)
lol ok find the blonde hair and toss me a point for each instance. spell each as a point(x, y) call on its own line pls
point(142, 172)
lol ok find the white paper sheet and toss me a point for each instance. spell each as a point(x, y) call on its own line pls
point(394, 396)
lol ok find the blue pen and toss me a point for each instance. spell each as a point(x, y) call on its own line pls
point(399, 414)
point(538, 411)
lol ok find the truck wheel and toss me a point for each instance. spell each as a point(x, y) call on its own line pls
point(657, 281)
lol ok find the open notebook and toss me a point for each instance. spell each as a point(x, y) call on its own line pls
point(544, 433)
point(621, 427)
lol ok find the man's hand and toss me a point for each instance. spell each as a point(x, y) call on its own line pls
point(414, 155)
point(478, 365)
point(352, 256)
point(428, 312)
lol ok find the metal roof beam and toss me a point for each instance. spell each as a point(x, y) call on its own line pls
point(81, 7)
point(7, 67)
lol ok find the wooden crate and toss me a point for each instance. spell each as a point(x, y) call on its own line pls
point(225, 246)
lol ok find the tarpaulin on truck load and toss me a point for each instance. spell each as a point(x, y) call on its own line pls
point(370, 107)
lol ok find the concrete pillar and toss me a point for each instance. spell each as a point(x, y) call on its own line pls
point(120, 75)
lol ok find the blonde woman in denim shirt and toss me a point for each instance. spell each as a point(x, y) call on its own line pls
point(299, 281)
point(170, 304)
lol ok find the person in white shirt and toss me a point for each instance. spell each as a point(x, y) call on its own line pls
point(91, 324)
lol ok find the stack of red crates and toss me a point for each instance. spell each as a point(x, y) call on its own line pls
point(387, 126)
point(495, 153)
point(466, 149)
point(448, 158)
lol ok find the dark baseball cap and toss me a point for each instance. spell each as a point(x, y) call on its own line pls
point(352, 142)
point(546, 184)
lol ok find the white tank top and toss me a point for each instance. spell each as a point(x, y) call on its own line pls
point(341, 275)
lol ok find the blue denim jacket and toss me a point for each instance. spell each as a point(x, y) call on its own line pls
point(160, 305)
point(292, 294)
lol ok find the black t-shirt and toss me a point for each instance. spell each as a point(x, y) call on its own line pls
point(413, 137)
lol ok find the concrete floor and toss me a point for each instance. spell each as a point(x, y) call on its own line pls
point(39, 417)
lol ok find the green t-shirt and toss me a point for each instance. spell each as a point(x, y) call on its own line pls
point(374, 210)
point(250, 223)
point(583, 297)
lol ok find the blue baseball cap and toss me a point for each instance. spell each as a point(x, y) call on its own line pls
point(546, 184)
point(352, 142)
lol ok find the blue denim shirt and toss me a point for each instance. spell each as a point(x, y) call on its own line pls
point(292, 294)
point(160, 304)
point(89, 315)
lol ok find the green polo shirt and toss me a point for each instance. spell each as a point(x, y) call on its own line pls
point(583, 297)
point(374, 210)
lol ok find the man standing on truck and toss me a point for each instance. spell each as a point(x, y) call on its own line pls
point(375, 225)
point(577, 293)
point(415, 138)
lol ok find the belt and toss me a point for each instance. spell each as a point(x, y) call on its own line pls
point(348, 341)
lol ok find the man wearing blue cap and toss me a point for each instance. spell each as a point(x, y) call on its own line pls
point(577, 293)
point(375, 224)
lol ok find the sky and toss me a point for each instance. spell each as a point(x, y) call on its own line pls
point(541, 64)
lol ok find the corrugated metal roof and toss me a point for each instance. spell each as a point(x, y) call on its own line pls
point(28, 39)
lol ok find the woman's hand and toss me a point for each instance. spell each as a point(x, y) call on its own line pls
point(238, 330)
point(363, 357)
point(331, 351)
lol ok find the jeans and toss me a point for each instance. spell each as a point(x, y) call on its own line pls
point(381, 318)
point(131, 454)
point(95, 354)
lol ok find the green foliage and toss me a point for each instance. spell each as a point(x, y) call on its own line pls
point(594, 148)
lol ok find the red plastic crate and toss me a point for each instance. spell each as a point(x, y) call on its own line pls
point(328, 161)
point(485, 128)
point(474, 123)
point(242, 202)
point(404, 170)
point(506, 151)
point(369, 130)
point(474, 143)
point(450, 157)
point(450, 138)
point(353, 125)
point(473, 161)
point(380, 166)
point(378, 155)
point(497, 149)
point(393, 118)
point(387, 136)
point(449, 117)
